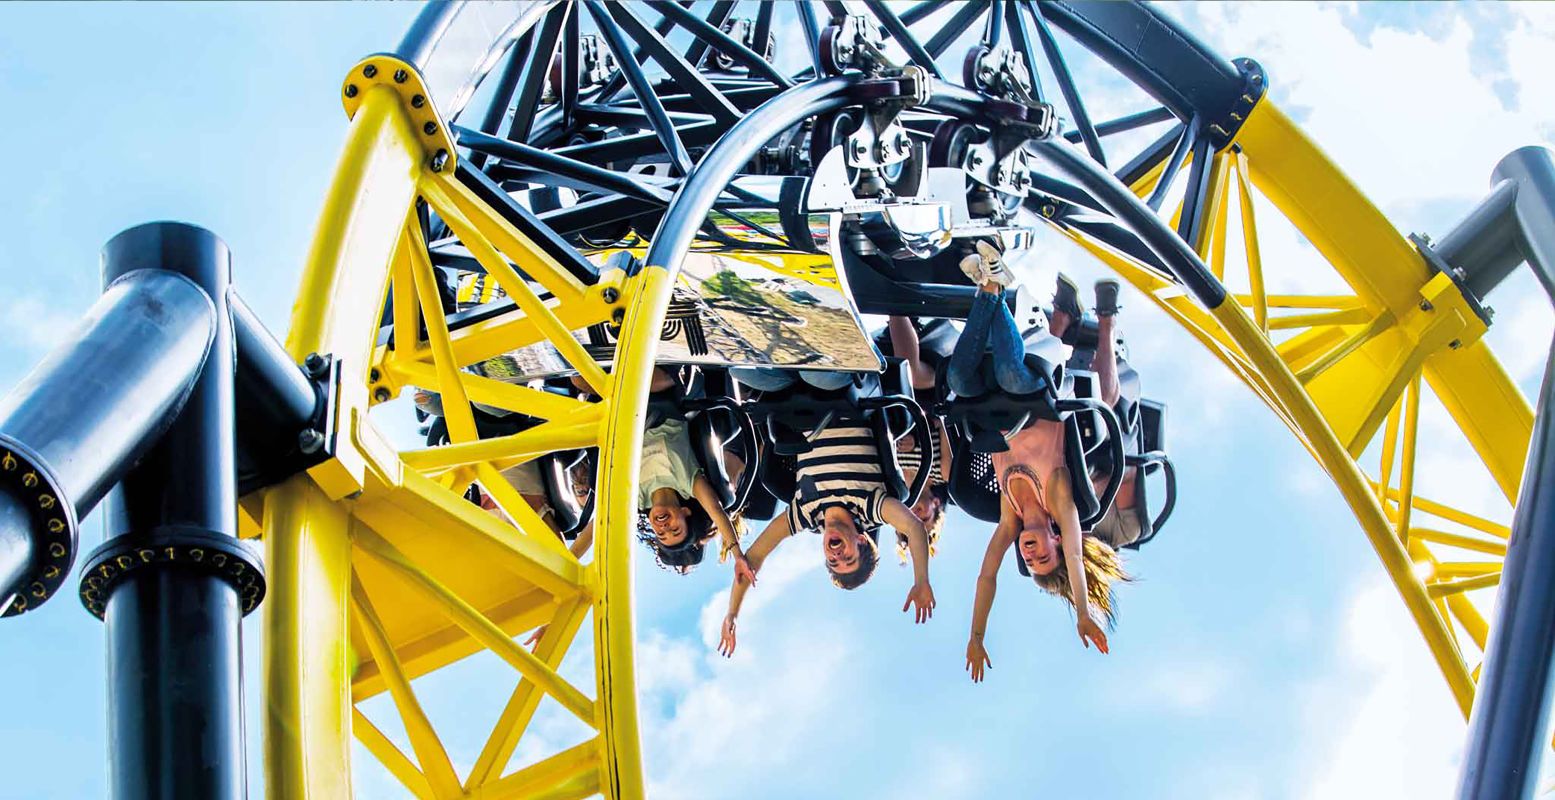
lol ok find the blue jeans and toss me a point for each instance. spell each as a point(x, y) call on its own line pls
point(771, 379)
point(990, 323)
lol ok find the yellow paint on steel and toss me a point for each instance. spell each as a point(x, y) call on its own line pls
point(553, 772)
point(521, 706)
point(307, 655)
point(478, 626)
point(390, 756)
point(429, 749)
point(616, 514)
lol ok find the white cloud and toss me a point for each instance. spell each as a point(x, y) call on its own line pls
point(1388, 727)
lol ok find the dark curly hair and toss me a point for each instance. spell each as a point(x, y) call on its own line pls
point(686, 554)
point(868, 557)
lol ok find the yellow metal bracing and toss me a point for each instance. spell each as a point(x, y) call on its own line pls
point(1339, 369)
point(384, 572)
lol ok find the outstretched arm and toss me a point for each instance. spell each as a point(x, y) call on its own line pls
point(987, 584)
point(900, 517)
point(729, 539)
point(1061, 497)
point(773, 535)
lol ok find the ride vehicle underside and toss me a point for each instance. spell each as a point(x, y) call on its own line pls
point(607, 187)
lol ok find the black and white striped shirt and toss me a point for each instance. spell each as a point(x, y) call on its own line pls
point(913, 459)
point(842, 468)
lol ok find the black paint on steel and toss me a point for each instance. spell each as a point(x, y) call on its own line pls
point(684, 75)
point(680, 160)
point(174, 652)
point(1126, 123)
point(903, 37)
point(552, 169)
point(1164, 60)
point(763, 30)
point(593, 213)
point(954, 27)
point(1020, 37)
point(425, 31)
point(614, 83)
point(517, 58)
point(1194, 221)
point(918, 12)
point(1515, 223)
point(719, 165)
point(1508, 729)
point(87, 412)
point(571, 46)
point(812, 31)
point(1180, 151)
point(626, 117)
point(994, 32)
point(277, 403)
point(708, 34)
point(1147, 159)
point(541, 234)
point(637, 145)
point(702, 34)
point(1066, 87)
point(1175, 254)
point(536, 70)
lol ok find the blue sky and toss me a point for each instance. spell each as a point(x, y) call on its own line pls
point(1260, 655)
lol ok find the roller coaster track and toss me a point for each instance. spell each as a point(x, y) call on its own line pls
point(380, 572)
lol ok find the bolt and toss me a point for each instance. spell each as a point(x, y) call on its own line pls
point(350, 90)
point(618, 317)
point(417, 101)
point(610, 294)
point(1425, 305)
point(859, 148)
point(315, 365)
point(1049, 210)
point(309, 441)
point(1455, 344)
point(369, 70)
point(373, 375)
point(381, 394)
point(400, 76)
point(976, 158)
point(439, 160)
point(429, 128)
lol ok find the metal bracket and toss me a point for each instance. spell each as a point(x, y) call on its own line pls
point(384, 69)
point(857, 43)
point(1422, 244)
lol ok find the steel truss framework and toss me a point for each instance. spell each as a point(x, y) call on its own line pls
point(380, 572)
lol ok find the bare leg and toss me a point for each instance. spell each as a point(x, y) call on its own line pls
point(1058, 323)
point(904, 343)
point(1105, 362)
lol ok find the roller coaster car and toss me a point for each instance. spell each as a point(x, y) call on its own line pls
point(1143, 424)
point(794, 416)
point(710, 403)
point(981, 425)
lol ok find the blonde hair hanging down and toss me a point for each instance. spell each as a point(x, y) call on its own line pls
point(1103, 570)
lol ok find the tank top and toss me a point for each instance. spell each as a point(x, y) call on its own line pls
point(1039, 447)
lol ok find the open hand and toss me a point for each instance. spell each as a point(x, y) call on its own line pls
point(534, 638)
point(921, 599)
point(742, 569)
point(1091, 632)
point(726, 638)
point(977, 659)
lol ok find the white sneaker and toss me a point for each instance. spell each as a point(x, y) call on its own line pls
point(986, 266)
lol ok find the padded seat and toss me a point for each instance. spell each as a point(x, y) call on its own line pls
point(794, 415)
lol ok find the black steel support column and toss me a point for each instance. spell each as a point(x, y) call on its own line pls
point(172, 580)
point(1512, 705)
